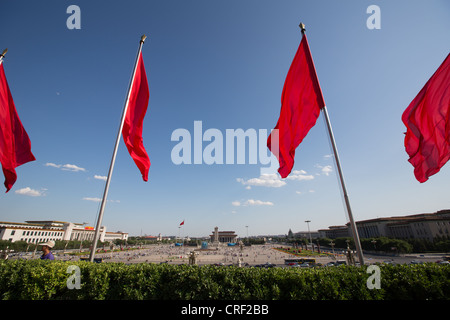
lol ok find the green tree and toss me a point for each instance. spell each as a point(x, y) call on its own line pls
point(290, 234)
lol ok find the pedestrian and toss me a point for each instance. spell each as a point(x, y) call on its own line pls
point(46, 250)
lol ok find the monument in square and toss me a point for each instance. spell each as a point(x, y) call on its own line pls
point(221, 237)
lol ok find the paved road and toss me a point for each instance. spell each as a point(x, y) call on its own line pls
point(253, 255)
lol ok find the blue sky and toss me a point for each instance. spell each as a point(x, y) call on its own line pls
point(223, 63)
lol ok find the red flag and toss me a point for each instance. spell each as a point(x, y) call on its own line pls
point(134, 119)
point(427, 119)
point(182, 223)
point(15, 146)
point(301, 102)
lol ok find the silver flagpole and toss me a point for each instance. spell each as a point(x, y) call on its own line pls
point(344, 189)
point(113, 159)
point(2, 55)
point(341, 179)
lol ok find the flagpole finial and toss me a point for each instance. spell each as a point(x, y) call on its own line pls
point(143, 38)
point(3, 53)
point(302, 27)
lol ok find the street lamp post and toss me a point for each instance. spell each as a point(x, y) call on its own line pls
point(332, 246)
point(310, 239)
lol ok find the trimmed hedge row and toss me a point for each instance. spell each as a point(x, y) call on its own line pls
point(47, 280)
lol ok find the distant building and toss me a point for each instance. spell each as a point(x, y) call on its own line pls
point(223, 236)
point(424, 226)
point(419, 226)
point(334, 232)
point(42, 231)
point(306, 234)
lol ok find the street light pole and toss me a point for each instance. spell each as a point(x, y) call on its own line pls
point(332, 246)
point(248, 240)
point(310, 239)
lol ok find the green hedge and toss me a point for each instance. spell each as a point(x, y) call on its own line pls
point(47, 280)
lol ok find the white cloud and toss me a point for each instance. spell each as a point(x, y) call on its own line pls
point(302, 193)
point(92, 199)
point(100, 177)
point(300, 175)
point(264, 180)
point(251, 202)
point(30, 192)
point(65, 167)
point(328, 156)
point(99, 200)
point(72, 167)
point(49, 164)
point(325, 170)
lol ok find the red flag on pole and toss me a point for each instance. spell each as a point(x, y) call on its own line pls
point(134, 119)
point(301, 101)
point(15, 146)
point(182, 223)
point(427, 119)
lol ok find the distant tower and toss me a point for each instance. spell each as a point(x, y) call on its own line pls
point(216, 235)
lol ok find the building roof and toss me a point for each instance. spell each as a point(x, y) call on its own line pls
point(409, 218)
point(419, 219)
point(30, 228)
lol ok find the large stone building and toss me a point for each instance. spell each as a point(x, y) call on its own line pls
point(223, 236)
point(419, 226)
point(42, 231)
point(334, 232)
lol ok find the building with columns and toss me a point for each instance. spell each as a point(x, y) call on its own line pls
point(427, 226)
point(43, 231)
point(223, 236)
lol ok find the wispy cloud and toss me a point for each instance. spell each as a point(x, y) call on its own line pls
point(325, 170)
point(72, 167)
point(100, 177)
point(65, 167)
point(264, 180)
point(274, 180)
point(302, 193)
point(300, 175)
point(99, 200)
point(92, 199)
point(251, 202)
point(49, 164)
point(31, 192)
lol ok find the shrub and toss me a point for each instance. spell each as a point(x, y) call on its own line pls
point(47, 280)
